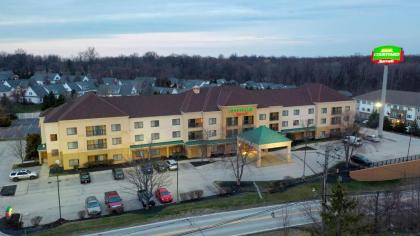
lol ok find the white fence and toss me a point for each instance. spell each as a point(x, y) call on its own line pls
point(32, 115)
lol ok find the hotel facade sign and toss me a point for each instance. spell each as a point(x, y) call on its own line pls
point(241, 111)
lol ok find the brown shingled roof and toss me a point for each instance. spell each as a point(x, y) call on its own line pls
point(208, 99)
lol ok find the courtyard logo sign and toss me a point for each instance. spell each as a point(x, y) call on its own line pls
point(240, 111)
point(387, 54)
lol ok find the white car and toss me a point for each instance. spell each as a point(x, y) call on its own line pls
point(17, 175)
point(353, 140)
point(172, 164)
point(372, 138)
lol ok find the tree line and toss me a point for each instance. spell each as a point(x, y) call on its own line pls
point(354, 73)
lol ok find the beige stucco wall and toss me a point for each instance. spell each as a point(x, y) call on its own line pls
point(406, 169)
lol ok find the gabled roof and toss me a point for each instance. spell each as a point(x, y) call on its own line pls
point(85, 107)
point(86, 85)
point(393, 97)
point(211, 99)
point(6, 75)
point(4, 88)
point(109, 80)
point(39, 90)
point(108, 89)
point(263, 135)
point(56, 89)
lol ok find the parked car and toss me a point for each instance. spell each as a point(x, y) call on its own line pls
point(93, 207)
point(160, 166)
point(353, 140)
point(361, 160)
point(372, 138)
point(172, 164)
point(17, 175)
point(147, 168)
point(114, 202)
point(118, 173)
point(163, 195)
point(84, 177)
point(145, 199)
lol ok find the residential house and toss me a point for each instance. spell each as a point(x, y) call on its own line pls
point(35, 94)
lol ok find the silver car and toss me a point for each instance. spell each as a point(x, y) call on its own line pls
point(17, 175)
point(93, 207)
point(172, 164)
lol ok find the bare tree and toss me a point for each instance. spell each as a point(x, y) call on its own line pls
point(18, 150)
point(146, 181)
point(240, 161)
point(306, 128)
point(349, 128)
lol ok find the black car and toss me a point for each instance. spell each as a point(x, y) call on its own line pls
point(160, 166)
point(118, 173)
point(84, 177)
point(147, 168)
point(361, 160)
point(145, 198)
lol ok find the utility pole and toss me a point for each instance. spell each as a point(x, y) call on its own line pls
point(324, 184)
point(409, 142)
point(382, 107)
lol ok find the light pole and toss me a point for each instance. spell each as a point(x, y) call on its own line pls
point(383, 96)
point(177, 182)
point(56, 169)
point(409, 142)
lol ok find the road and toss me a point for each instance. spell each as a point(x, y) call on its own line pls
point(241, 222)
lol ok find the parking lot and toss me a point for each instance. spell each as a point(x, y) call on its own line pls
point(19, 129)
point(39, 197)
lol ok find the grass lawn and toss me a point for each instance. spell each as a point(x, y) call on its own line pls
point(240, 201)
point(23, 108)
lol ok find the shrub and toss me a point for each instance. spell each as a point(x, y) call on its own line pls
point(36, 221)
point(81, 214)
point(5, 121)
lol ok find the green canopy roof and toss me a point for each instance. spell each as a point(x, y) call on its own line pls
point(263, 135)
point(209, 142)
point(177, 142)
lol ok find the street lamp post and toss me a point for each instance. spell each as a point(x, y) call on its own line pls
point(177, 175)
point(382, 107)
point(409, 142)
point(56, 169)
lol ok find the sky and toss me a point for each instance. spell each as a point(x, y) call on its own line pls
point(302, 28)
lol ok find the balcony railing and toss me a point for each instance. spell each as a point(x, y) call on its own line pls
point(96, 146)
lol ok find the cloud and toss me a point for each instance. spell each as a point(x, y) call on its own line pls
point(164, 43)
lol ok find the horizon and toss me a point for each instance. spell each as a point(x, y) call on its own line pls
point(209, 28)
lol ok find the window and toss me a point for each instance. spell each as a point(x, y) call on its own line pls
point(139, 137)
point(155, 152)
point(285, 113)
point(155, 136)
point(324, 110)
point(363, 102)
point(54, 152)
point(72, 131)
point(232, 121)
point(347, 108)
point(212, 121)
point(154, 123)
point(138, 124)
point(176, 134)
point(363, 109)
point(248, 120)
point(116, 127)
point(231, 133)
point(263, 116)
point(336, 120)
point(336, 111)
point(73, 162)
point(117, 157)
point(310, 122)
point(323, 121)
point(368, 109)
point(194, 135)
point(409, 116)
point(195, 123)
point(116, 141)
point(53, 137)
point(176, 122)
point(323, 134)
point(274, 116)
point(96, 144)
point(284, 123)
point(274, 126)
point(72, 145)
point(295, 122)
point(95, 130)
point(296, 112)
point(311, 111)
point(212, 133)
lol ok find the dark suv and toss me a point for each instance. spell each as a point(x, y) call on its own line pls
point(118, 173)
point(361, 160)
point(84, 177)
point(145, 198)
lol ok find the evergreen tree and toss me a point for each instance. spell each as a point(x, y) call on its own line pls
point(32, 142)
point(61, 100)
point(340, 217)
point(373, 120)
point(387, 124)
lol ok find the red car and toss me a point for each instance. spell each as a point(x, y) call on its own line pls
point(114, 202)
point(163, 195)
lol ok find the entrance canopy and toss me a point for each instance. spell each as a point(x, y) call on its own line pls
point(264, 138)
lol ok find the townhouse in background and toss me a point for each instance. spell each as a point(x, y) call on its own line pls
point(91, 129)
point(401, 106)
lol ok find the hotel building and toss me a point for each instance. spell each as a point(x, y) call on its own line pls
point(202, 121)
